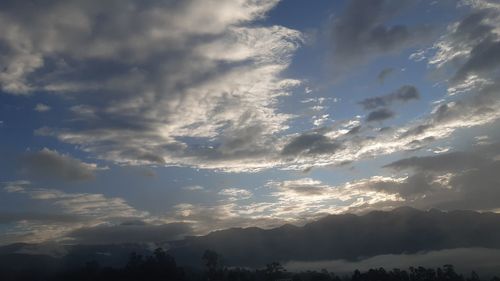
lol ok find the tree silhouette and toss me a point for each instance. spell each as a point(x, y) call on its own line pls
point(274, 271)
point(159, 265)
point(213, 265)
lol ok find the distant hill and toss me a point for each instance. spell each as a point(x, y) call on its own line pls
point(402, 230)
point(351, 237)
point(36, 257)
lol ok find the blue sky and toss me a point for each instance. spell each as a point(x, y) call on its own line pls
point(242, 113)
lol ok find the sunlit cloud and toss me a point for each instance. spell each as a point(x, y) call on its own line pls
point(88, 209)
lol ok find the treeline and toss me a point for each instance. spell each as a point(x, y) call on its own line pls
point(161, 266)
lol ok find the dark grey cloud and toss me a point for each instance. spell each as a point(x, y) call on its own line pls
point(50, 164)
point(473, 28)
point(403, 94)
point(484, 59)
point(310, 143)
point(471, 48)
point(303, 187)
point(130, 232)
point(384, 73)
point(446, 162)
point(416, 130)
point(361, 31)
point(355, 130)
point(379, 115)
point(478, 189)
point(477, 31)
point(468, 111)
point(456, 180)
point(412, 186)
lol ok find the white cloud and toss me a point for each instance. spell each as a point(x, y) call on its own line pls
point(294, 201)
point(307, 198)
point(320, 120)
point(89, 209)
point(187, 85)
point(85, 204)
point(234, 194)
point(40, 107)
point(193, 187)
point(155, 75)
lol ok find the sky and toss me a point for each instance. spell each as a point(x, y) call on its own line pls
point(184, 117)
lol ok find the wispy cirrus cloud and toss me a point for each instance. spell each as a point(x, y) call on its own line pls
point(85, 204)
point(84, 209)
point(458, 49)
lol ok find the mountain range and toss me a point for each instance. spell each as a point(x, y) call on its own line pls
point(348, 237)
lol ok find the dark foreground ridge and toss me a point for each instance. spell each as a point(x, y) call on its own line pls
point(161, 266)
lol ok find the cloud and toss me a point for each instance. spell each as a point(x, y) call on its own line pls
point(160, 83)
point(447, 162)
point(447, 117)
point(234, 194)
point(85, 204)
point(465, 261)
point(40, 107)
point(303, 187)
point(450, 54)
point(384, 73)
point(448, 180)
point(186, 85)
point(379, 115)
point(51, 164)
point(483, 59)
point(130, 233)
point(403, 94)
point(361, 31)
point(73, 211)
point(465, 46)
point(441, 122)
point(13, 217)
point(471, 44)
point(292, 201)
point(193, 187)
point(306, 198)
point(478, 37)
point(454, 180)
point(228, 214)
point(310, 144)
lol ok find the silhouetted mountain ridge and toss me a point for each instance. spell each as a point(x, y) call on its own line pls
point(345, 236)
point(348, 236)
